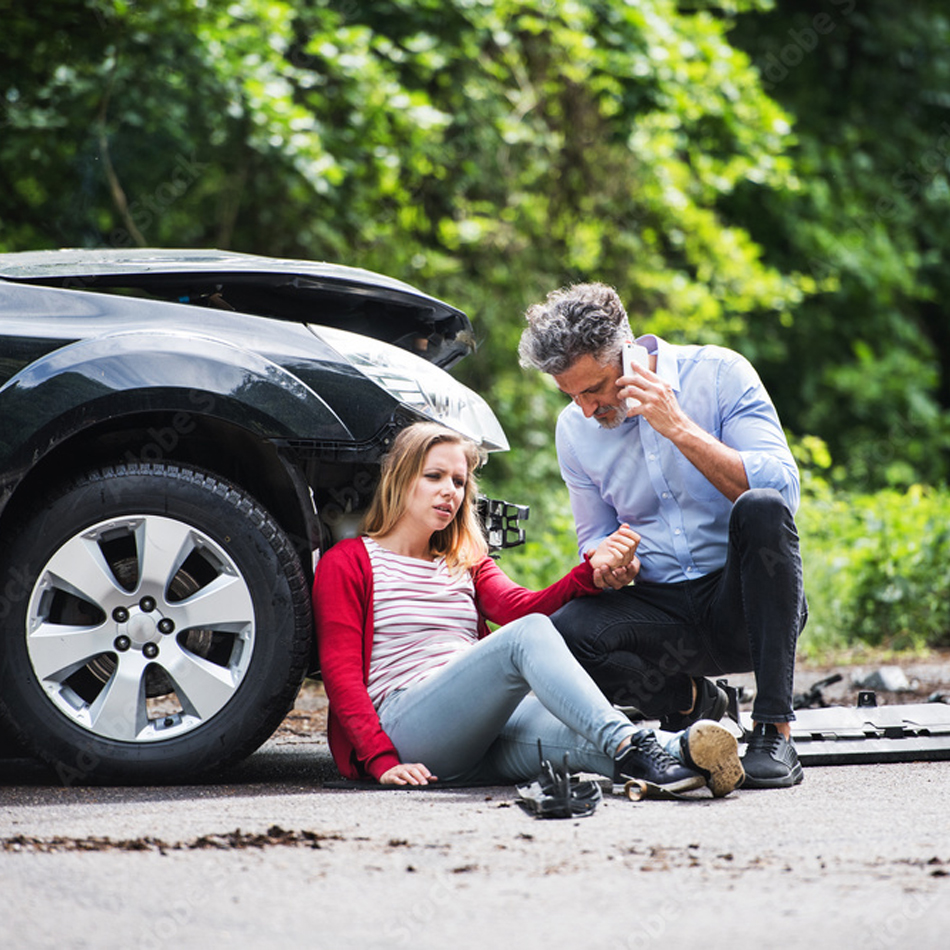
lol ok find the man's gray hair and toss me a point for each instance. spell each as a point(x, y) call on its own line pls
point(573, 322)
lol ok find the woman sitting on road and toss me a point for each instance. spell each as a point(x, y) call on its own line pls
point(417, 688)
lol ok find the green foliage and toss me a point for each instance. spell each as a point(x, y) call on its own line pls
point(487, 151)
point(866, 84)
point(548, 554)
point(877, 565)
point(768, 174)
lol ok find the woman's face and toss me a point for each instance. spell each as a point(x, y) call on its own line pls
point(435, 498)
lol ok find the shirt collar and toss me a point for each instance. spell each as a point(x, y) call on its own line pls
point(667, 367)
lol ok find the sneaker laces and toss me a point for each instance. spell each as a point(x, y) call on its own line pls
point(762, 741)
point(650, 749)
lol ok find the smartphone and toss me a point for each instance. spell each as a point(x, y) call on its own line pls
point(634, 354)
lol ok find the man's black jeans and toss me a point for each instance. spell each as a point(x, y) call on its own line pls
point(641, 644)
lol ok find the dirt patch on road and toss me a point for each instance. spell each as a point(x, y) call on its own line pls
point(236, 840)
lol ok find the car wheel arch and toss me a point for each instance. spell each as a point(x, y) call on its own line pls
point(257, 465)
point(136, 370)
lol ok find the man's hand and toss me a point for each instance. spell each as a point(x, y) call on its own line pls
point(605, 578)
point(658, 403)
point(407, 773)
point(614, 560)
point(720, 464)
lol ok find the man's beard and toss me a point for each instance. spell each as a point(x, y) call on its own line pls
point(612, 419)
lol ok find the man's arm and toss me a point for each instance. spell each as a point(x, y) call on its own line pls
point(594, 518)
point(720, 464)
point(751, 433)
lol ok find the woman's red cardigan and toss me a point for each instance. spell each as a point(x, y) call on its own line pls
point(343, 613)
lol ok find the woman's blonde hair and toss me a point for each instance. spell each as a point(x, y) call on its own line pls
point(461, 542)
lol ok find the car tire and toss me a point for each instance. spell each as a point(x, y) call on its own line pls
point(157, 626)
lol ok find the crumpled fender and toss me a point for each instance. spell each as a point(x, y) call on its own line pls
point(128, 372)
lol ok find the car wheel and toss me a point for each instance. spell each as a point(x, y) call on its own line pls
point(162, 626)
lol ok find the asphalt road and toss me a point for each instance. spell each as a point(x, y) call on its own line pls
point(267, 857)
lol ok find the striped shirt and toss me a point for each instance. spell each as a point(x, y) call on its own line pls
point(422, 617)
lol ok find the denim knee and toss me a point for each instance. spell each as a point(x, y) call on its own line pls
point(536, 627)
point(760, 503)
point(761, 511)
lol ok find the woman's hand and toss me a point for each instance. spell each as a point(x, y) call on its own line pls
point(407, 773)
point(614, 560)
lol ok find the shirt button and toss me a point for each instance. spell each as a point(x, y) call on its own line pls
point(666, 494)
point(677, 531)
point(652, 458)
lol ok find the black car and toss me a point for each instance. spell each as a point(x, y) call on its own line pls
point(181, 434)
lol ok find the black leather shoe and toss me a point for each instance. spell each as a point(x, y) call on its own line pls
point(647, 760)
point(711, 703)
point(712, 751)
point(770, 760)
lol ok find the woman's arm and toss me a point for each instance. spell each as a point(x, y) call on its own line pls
point(342, 594)
point(500, 600)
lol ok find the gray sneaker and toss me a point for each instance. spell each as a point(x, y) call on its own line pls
point(712, 750)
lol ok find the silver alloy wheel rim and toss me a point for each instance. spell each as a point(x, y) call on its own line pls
point(140, 628)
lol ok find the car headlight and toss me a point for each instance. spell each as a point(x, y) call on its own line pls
point(421, 386)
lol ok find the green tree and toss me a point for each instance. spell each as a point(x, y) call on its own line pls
point(867, 86)
point(582, 141)
point(488, 151)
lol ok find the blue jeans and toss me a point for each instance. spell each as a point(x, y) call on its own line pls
point(642, 644)
point(478, 719)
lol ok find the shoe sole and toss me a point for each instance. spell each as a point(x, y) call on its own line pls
point(794, 777)
point(714, 751)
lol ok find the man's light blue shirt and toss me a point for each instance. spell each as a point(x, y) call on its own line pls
point(632, 474)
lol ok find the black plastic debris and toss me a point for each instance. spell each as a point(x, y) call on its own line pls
point(814, 697)
point(555, 793)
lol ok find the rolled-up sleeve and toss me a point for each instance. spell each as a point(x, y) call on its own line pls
point(751, 426)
